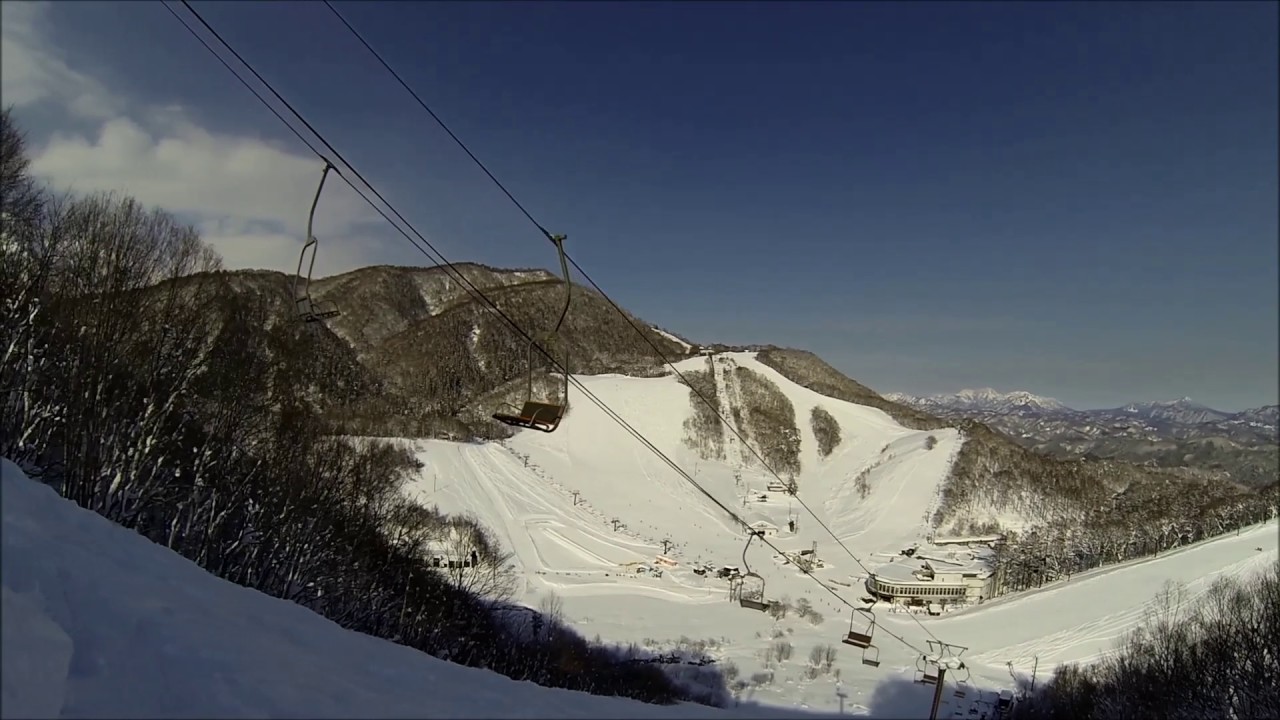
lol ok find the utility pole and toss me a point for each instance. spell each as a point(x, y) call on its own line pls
point(666, 544)
point(1034, 668)
point(937, 691)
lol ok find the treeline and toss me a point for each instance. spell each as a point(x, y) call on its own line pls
point(473, 352)
point(1215, 656)
point(825, 430)
point(1143, 521)
point(128, 386)
point(761, 414)
point(770, 421)
point(703, 430)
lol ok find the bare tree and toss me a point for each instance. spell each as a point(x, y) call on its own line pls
point(476, 561)
point(21, 198)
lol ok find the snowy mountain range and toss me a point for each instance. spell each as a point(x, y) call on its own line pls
point(1241, 446)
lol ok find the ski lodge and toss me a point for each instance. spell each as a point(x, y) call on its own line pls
point(935, 577)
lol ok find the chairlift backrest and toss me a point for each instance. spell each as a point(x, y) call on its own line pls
point(541, 412)
point(535, 415)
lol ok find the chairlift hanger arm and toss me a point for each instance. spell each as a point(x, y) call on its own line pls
point(306, 306)
point(546, 416)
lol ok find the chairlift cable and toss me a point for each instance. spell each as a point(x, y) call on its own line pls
point(464, 281)
point(605, 295)
point(435, 117)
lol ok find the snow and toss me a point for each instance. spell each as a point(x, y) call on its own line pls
point(524, 489)
point(686, 346)
point(100, 622)
point(982, 399)
point(1081, 619)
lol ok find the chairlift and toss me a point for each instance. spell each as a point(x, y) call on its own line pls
point(926, 670)
point(540, 415)
point(311, 310)
point(870, 653)
point(751, 586)
point(963, 682)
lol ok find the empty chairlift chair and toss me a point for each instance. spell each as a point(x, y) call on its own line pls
point(751, 592)
point(957, 665)
point(962, 685)
point(751, 587)
point(309, 309)
point(544, 415)
point(926, 670)
point(859, 639)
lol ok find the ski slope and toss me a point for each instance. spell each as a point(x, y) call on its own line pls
point(1082, 619)
point(100, 622)
point(554, 498)
point(534, 475)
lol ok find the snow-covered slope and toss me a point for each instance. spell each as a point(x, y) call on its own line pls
point(553, 500)
point(531, 501)
point(1085, 617)
point(100, 622)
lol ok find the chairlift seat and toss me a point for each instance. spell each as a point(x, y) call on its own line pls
point(871, 656)
point(313, 310)
point(534, 416)
point(928, 679)
point(753, 604)
point(857, 639)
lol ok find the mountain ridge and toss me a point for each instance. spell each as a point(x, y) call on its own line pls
point(988, 398)
point(1179, 435)
point(414, 355)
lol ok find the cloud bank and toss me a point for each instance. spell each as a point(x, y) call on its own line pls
point(248, 197)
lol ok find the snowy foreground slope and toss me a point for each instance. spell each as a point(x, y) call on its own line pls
point(552, 499)
point(100, 622)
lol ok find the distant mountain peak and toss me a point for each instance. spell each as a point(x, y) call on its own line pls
point(991, 399)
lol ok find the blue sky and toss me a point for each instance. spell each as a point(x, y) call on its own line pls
point(1075, 199)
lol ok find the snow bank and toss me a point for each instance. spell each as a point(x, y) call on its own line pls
point(100, 622)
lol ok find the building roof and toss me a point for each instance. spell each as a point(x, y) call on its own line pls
point(900, 571)
point(949, 565)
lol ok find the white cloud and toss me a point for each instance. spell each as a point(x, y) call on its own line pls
point(248, 197)
point(30, 72)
